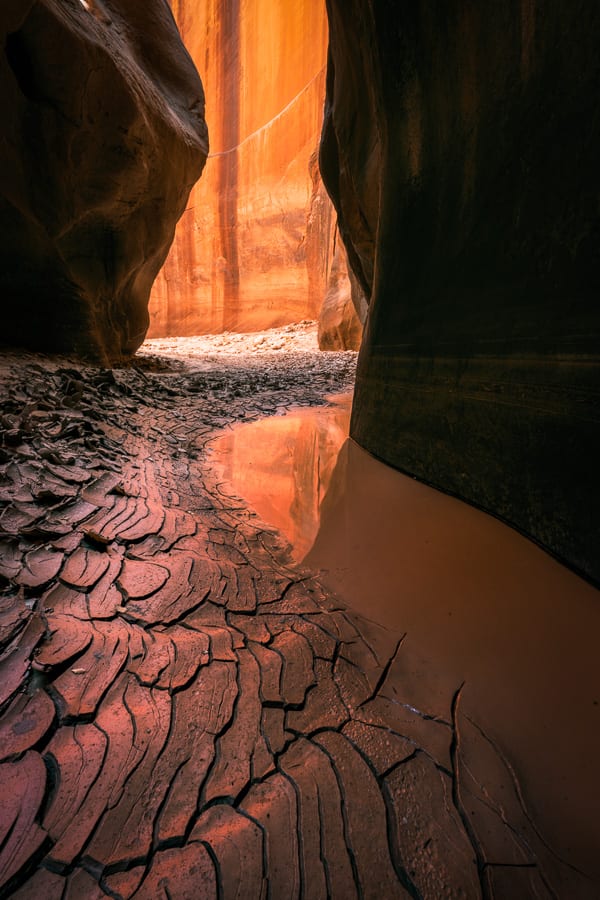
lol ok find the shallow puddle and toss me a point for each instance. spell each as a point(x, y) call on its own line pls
point(480, 604)
point(282, 466)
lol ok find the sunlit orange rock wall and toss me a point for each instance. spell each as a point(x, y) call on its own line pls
point(244, 257)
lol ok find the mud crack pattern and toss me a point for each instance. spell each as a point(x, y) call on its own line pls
point(186, 714)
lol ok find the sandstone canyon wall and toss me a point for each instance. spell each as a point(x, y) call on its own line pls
point(253, 247)
point(461, 148)
point(103, 137)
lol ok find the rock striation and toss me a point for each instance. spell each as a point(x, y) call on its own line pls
point(103, 138)
point(252, 249)
point(460, 148)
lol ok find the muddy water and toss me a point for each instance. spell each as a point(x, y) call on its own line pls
point(479, 603)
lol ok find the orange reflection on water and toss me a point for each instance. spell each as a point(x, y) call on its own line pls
point(283, 465)
point(479, 604)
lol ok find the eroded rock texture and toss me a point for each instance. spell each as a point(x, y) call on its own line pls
point(460, 147)
point(103, 137)
point(250, 253)
point(344, 308)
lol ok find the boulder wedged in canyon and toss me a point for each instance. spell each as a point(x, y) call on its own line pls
point(251, 250)
point(460, 148)
point(103, 138)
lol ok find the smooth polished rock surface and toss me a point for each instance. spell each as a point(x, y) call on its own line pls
point(344, 309)
point(253, 248)
point(103, 138)
point(460, 148)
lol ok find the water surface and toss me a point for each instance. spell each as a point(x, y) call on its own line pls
point(479, 603)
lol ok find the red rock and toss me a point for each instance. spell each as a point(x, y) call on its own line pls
point(82, 884)
point(170, 602)
point(139, 579)
point(15, 659)
point(273, 806)
point(13, 612)
point(383, 748)
point(25, 722)
point(22, 786)
point(150, 515)
point(41, 566)
point(352, 684)
point(340, 327)
point(325, 856)
point(11, 558)
point(102, 775)
point(270, 665)
point(68, 638)
point(323, 707)
point(430, 837)
point(125, 830)
point(78, 753)
point(297, 600)
point(104, 598)
point(81, 688)
point(407, 722)
point(297, 675)
point(84, 568)
point(261, 266)
point(365, 816)
point(117, 95)
point(65, 601)
point(99, 491)
point(125, 884)
point(42, 884)
point(200, 713)
point(186, 874)
point(191, 652)
point(158, 656)
point(237, 846)
point(239, 744)
point(68, 517)
point(273, 725)
point(297, 765)
point(323, 644)
point(72, 474)
point(221, 643)
point(128, 516)
point(253, 627)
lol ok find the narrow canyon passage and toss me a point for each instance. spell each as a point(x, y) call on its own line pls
point(186, 711)
point(279, 623)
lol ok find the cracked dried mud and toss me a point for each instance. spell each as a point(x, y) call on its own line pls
point(185, 711)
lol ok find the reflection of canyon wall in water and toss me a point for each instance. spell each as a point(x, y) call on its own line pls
point(252, 249)
point(283, 465)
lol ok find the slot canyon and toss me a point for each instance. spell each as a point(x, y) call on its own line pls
point(299, 443)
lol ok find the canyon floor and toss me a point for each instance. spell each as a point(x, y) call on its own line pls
point(185, 711)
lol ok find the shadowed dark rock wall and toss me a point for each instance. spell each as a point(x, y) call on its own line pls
point(461, 146)
point(103, 138)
